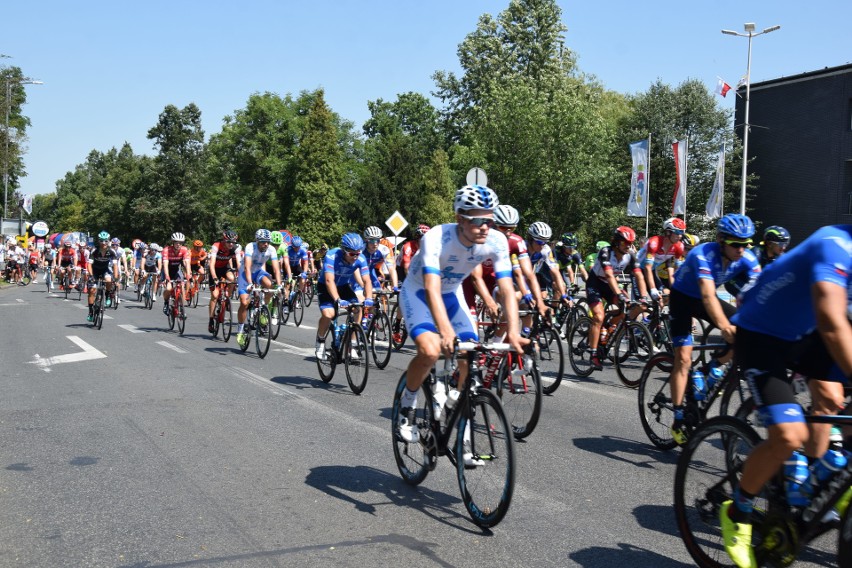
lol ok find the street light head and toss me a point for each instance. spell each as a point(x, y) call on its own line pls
point(749, 27)
point(730, 32)
point(772, 29)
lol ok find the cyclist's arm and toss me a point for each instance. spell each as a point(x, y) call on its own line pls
point(247, 269)
point(714, 308)
point(276, 269)
point(510, 309)
point(432, 287)
point(331, 286)
point(830, 304)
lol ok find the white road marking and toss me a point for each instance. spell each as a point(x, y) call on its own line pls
point(287, 348)
point(172, 347)
point(265, 383)
point(88, 353)
point(131, 328)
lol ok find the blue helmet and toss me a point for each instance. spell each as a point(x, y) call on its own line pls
point(736, 225)
point(352, 241)
point(103, 236)
point(296, 242)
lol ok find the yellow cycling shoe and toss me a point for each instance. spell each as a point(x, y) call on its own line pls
point(737, 539)
point(679, 434)
point(843, 503)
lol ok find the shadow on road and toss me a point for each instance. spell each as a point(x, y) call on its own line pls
point(611, 446)
point(624, 555)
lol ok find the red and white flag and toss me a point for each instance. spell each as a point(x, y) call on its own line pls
point(722, 88)
point(679, 199)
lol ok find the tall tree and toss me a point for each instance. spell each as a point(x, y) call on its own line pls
point(315, 204)
point(13, 96)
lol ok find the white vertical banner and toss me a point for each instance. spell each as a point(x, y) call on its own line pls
point(679, 200)
point(637, 206)
point(717, 196)
point(27, 204)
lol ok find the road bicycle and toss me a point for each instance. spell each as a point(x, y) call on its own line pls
point(146, 291)
point(310, 290)
point(483, 435)
point(258, 322)
point(655, 403)
point(628, 344)
point(222, 318)
point(378, 330)
point(98, 306)
point(294, 305)
point(47, 272)
point(193, 291)
point(176, 312)
point(346, 343)
point(399, 333)
point(705, 477)
point(565, 316)
point(66, 282)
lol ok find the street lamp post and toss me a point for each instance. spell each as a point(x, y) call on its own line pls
point(749, 29)
point(9, 81)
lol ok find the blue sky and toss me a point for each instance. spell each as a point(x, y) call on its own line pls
point(110, 68)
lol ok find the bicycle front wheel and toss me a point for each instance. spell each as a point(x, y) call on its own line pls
point(262, 335)
point(180, 316)
point(521, 395)
point(275, 314)
point(578, 347)
point(227, 320)
point(328, 362)
point(397, 337)
point(356, 358)
point(416, 459)
point(550, 360)
point(633, 347)
point(655, 403)
point(488, 483)
point(706, 474)
point(381, 340)
point(99, 308)
point(298, 308)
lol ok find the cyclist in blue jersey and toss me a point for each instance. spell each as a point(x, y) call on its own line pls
point(693, 295)
point(379, 258)
point(775, 242)
point(252, 273)
point(796, 315)
point(432, 297)
point(344, 271)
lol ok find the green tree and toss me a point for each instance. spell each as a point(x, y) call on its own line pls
point(13, 96)
point(315, 205)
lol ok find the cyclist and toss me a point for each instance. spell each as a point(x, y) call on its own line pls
point(48, 260)
point(432, 296)
point(319, 258)
point(175, 267)
point(795, 315)
point(252, 272)
point(403, 261)
point(773, 245)
point(152, 264)
point(612, 261)
point(345, 269)
point(590, 259)
point(379, 256)
point(297, 264)
point(138, 255)
point(67, 257)
point(197, 260)
point(693, 295)
point(121, 263)
point(569, 258)
point(224, 254)
point(103, 262)
point(658, 251)
point(544, 265)
point(33, 257)
point(82, 261)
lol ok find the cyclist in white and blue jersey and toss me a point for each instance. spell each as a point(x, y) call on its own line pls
point(796, 315)
point(432, 298)
point(252, 272)
point(693, 295)
point(379, 258)
point(345, 272)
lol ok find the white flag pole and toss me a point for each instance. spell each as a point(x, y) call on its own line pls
point(648, 189)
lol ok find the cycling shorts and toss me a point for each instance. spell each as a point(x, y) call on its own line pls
point(682, 309)
point(418, 317)
point(256, 277)
point(345, 292)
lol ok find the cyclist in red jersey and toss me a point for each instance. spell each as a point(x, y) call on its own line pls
point(658, 250)
point(175, 267)
point(223, 265)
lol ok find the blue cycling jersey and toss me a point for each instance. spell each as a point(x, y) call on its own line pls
point(296, 255)
point(344, 273)
point(779, 304)
point(704, 262)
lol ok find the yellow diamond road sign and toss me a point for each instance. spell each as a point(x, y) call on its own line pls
point(396, 223)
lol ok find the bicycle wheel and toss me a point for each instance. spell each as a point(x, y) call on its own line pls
point(196, 292)
point(80, 285)
point(149, 295)
point(486, 488)
point(549, 359)
point(180, 316)
point(414, 460)
point(381, 340)
point(262, 335)
point(309, 293)
point(655, 404)
point(99, 308)
point(66, 285)
point(298, 308)
point(275, 315)
point(705, 477)
point(521, 394)
point(633, 347)
point(285, 309)
point(356, 358)
point(397, 337)
point(328, 362)
point(227, 321)
point(248, 329)
point(48, 281)
point(578, 347)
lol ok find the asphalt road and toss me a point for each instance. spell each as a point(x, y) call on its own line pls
point(134, 447)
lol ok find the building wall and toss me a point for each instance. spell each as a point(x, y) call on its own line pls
point(800, 147)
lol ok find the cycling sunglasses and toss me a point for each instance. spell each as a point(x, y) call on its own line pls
point(738, 244)
point(351, 252)
point(540, 243)
point(479, 221)
point(373, 241)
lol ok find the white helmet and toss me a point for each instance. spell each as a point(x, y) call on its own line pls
point(507, 216)
point(540, 231)
point(373, 232)
point(475, 197)
point(178, 236)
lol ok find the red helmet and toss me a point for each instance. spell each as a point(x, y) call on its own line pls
point(624, 234)
point(423, 229)
point(675, 225)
